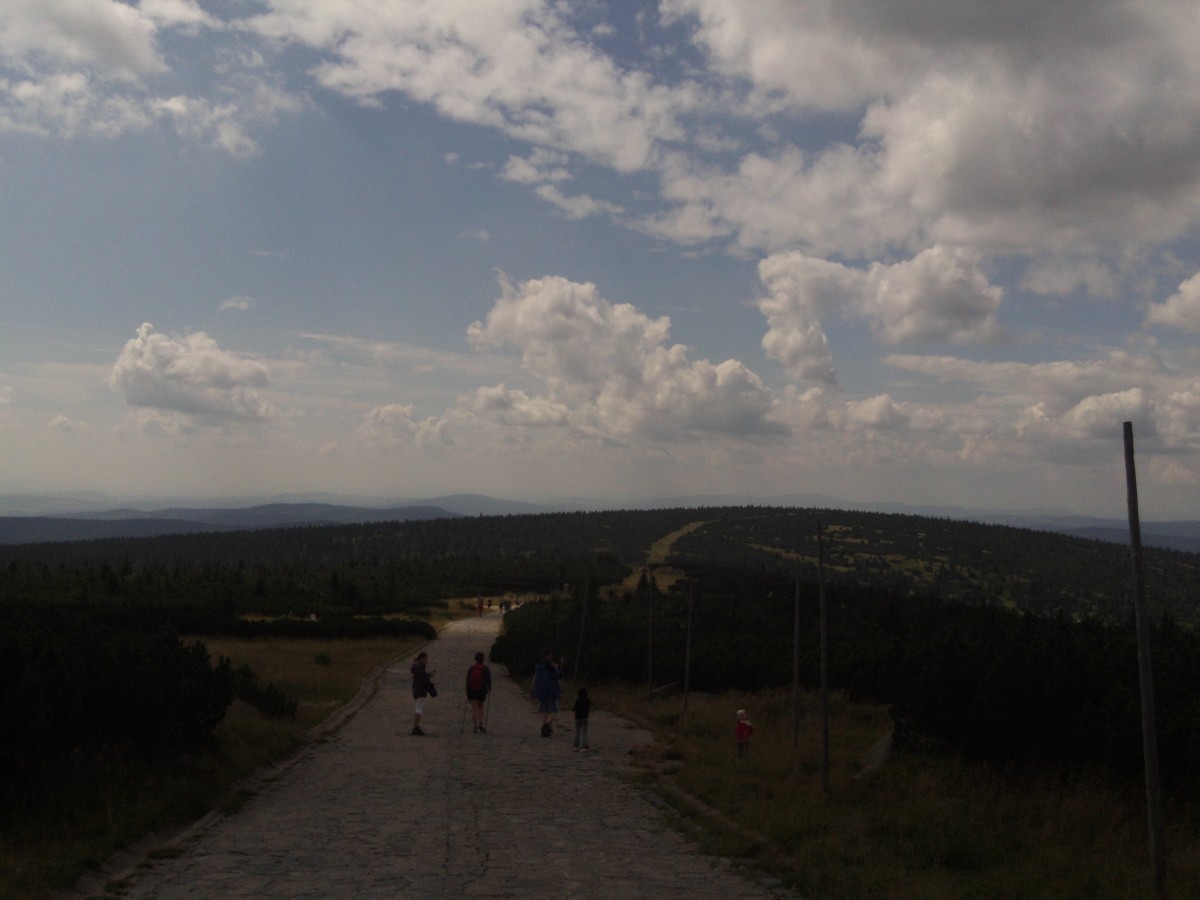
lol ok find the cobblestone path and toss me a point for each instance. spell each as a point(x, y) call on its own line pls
point(376, 812)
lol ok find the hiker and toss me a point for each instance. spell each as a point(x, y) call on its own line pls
point(582, 707)
point(422, 687)
point(479, 605)
point(742, 731)
point(479, 685)
point(547, 689)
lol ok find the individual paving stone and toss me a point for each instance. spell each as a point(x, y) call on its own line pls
point(377, 812)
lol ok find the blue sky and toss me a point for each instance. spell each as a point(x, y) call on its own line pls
point(908, 252)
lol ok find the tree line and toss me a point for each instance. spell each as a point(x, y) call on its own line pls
point(1015, 688)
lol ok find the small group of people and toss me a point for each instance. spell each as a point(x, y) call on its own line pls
point(547, 691)
point(479, 686)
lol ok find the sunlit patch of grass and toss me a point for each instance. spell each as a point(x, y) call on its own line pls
point(299, 668)
point(914, 827)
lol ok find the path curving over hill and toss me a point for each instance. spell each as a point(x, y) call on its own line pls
point(376, 812)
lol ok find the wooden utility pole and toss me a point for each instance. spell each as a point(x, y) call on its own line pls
point(1141, 617)
point(687, 648)
point(796, 659)
point(649, 635)
point(582, 618)
point(824, 664)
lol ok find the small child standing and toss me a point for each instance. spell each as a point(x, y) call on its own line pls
point(742, 731)
point(582, 707)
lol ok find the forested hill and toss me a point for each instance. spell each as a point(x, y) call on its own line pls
point(990, 564)
point(1041, 571)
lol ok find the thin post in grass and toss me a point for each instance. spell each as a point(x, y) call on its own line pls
point(649, 633)
point(687, 648)
point(582, 617)
point(796, 657)
point(1141, 618)
point(824, 663)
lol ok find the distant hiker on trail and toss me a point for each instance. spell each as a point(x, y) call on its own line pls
point(422, 687)
point(742, 731)
point(546, 689)
point(479, 604)
point(479, 685)
point(582, 707)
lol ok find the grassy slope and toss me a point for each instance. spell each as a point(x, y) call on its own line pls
point(916, 827)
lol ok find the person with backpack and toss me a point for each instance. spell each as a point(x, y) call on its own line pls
point(479, 685)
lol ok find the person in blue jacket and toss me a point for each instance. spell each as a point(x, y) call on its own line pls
point(547, 688)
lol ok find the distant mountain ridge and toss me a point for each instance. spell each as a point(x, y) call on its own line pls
point(140, 523)
point(273, 515)
point(32, 518)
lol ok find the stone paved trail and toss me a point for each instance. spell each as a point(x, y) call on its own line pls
point(376, 812)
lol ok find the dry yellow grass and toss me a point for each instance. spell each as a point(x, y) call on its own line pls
point(916, 827)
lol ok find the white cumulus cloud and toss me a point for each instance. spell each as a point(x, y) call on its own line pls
point(191, 375)
point(938, 295)
point(1181, 309)
point(609, 371)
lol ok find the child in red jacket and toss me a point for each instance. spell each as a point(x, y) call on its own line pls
point(742, 731)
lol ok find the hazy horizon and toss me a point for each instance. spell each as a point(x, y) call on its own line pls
point(56, 503)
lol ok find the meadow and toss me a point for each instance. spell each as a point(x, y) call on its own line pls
point(920, 825)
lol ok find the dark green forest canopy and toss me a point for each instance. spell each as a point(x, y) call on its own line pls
point(366, 567)
point(1039, 571)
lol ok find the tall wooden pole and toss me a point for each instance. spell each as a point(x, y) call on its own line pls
point(582, 618)
point(649, 636)
point(687, 649)
point(1141, 617)
point(824, 664)
point(796, 659)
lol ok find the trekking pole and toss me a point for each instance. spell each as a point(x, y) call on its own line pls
point(462, 726)
point(487, 708)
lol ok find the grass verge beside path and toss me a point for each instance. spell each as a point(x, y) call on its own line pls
point(90, 817)
point(917, 827)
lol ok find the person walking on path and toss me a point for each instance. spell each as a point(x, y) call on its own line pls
point(356, 814)
point(479, 685)
point(582, 707)
point(422, 688)
point(547, 688)
point(742, 732)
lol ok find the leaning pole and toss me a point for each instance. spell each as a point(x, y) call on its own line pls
point(1154, 808)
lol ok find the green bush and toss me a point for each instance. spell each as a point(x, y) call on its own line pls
point(268, 699)
point(75, 686)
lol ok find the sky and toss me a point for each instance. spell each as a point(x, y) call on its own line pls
point(907, 252)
